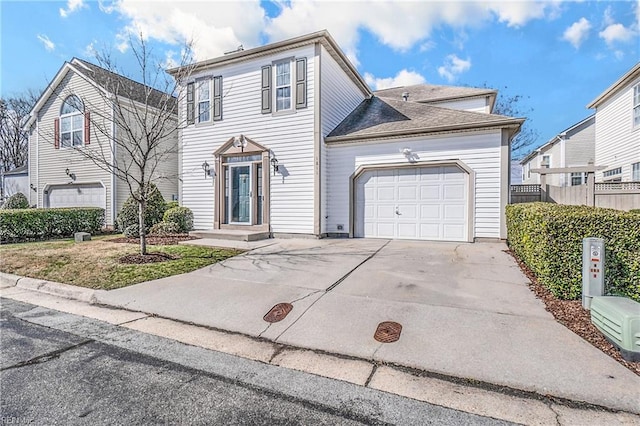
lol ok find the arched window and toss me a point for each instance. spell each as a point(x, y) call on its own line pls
point(72, 128)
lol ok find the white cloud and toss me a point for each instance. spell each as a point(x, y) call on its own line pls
point(402, 78)
point(577, 32)
point(616, 33)
point(453, 67)
point(72, 6)
point(48, 44)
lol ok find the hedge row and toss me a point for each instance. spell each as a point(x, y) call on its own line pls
point(548, 238)
point(38, 224)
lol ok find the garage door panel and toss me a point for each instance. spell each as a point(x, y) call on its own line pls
point(76, 195)
point(413, 203)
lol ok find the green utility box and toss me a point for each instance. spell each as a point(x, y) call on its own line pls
point(618, 318)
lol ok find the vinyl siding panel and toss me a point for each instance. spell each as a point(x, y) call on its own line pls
point(474, 104)
point(289, 135)
point(617, 142)
point(33, 164)
point(479, 151)
point(580, 145)
point(51, 163)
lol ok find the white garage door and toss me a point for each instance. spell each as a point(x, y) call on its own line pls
point(77, 195)
point(426, 203)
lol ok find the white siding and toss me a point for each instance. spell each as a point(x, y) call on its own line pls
point(289, 136)
point(12, 184)
point(473, 104)
point(50, 162)
point(479, 151)
point(617, 142)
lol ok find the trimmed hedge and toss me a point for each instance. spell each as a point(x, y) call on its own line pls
point(182, 216)
point(16, 201)
point(164, 228)
point(548, 239)
point(154, 211)
point(39, 224)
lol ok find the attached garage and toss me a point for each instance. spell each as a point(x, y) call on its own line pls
point(76, 195)
point(411, 202)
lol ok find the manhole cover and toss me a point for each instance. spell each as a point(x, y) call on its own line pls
point(278, 312)
point(388, 332)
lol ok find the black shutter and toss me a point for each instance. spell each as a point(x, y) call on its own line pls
point(266, 89)
point(217, 98)
point(87, 128)
point(191, 103)
point(301, 83)
point(56, 131)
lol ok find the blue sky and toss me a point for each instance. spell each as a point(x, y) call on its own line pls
point(558, 55)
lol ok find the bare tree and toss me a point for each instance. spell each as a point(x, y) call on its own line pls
point(14, 112)
point(515, 106)
point(136, 121)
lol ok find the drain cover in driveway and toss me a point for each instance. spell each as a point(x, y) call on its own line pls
point(278, 312)
point(388, 332)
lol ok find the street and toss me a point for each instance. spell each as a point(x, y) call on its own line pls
point(95, 375)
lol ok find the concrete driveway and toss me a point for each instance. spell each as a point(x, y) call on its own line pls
point(465, 309)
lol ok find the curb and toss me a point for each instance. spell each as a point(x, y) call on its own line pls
point(56, 289)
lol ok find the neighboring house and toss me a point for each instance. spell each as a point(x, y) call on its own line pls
point(16, 180)
point(573, 147)
point(516, 172)
point(298, 144)
point(74, 114)
point(618, 129)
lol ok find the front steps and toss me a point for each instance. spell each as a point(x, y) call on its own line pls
point(231, 234)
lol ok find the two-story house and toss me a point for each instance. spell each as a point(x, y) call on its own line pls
point(573, 147)
point(618, 129)
point(77, 113)
point(288, 138)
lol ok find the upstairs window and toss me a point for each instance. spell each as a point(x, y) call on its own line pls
point(204, 101)
point(206, 94)
point(72, 127)
point(546, 162)
point(636, 106)
point(635, 172)
point(283, 86)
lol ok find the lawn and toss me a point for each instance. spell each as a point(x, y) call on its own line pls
point(94, 264)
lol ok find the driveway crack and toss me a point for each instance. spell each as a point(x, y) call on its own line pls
point(344, 277)
point(40, 359)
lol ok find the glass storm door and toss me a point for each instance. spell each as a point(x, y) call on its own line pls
point(240, 206)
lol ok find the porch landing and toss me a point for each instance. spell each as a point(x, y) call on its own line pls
point(231, 234)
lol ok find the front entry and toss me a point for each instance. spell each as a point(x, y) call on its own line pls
point(242, 186)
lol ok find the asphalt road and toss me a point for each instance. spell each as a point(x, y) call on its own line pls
point(60, 368)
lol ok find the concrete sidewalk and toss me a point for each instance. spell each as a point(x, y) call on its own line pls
point(465, 309)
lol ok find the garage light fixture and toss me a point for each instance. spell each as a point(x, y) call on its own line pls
point(208, 171)
point(71, 175)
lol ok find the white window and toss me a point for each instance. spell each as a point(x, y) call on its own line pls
point(635, 172)
point(283, 85)
point(204, 100)
point(579, 178)
point(546, 162)
point(71, 122)
point(636, 106)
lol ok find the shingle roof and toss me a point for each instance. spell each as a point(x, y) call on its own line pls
point(432, 93)
point(123, 86)
point(378, 117)
point(17, 171)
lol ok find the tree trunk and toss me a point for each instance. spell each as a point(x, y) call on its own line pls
point(143, 237)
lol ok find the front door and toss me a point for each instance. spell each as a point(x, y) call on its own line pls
point(240, 205)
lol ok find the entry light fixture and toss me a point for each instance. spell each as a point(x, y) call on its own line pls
point(406, 152)
point(33, 188)
point(240, 142)
point(207, 170)
point(274, 163)
point(71, 175)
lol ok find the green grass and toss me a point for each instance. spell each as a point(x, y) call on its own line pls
point(95, 263)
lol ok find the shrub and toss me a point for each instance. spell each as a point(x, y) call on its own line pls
point(172, 204)
point(34, 224)
point(164, 228)
point(548, 238)
point(16, 201)
point(156, 207)
point(636, 211)
point(132, 231)
point(182, 216)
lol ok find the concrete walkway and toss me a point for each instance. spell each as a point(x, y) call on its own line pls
point(465, 310)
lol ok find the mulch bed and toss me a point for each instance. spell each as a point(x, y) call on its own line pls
point(156, 240)
point(138, 259)
point(572, 315)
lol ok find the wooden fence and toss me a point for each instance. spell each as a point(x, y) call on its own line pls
point(613, 195)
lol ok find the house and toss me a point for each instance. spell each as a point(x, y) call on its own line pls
point(74, 118)
point(618, 129)
point(292, 141)
point(14, 181)
point(573, 147)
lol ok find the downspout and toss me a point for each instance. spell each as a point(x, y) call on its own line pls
point(38, 191)
point(563, 176)
point(113, 172)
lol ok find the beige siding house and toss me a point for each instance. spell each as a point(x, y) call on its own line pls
point(573, 147)
point(296, 143)
point(618, 129)
point(75, 115)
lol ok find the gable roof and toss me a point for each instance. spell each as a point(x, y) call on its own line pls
point(378, 118)
point(104, 80)
point(323, 37)
point(18, 171)
point(632, 74)
point(557, 138)
point(425, 93)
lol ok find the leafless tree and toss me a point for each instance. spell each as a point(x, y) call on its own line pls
point(138, 122)
point(14, 112)
point(516, 106)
